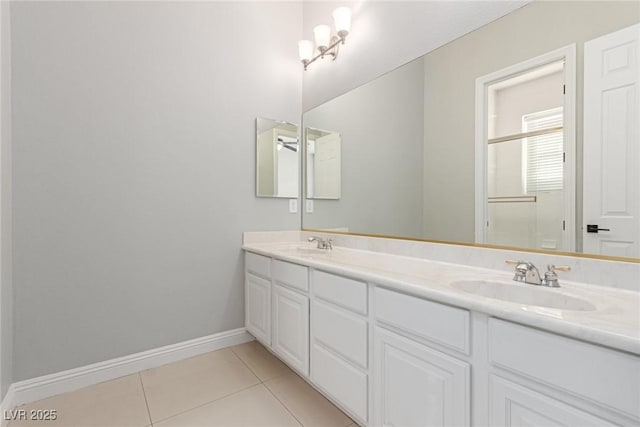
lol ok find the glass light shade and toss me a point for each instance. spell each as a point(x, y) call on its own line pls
point(322, 34)
point(342, 20)
point(305, 50)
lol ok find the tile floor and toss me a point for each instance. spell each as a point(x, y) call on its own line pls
point(243, 385)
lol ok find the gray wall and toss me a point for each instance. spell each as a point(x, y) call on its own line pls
point(6, 294)
point(381, 126)
point(535, 29)
point(134, 157)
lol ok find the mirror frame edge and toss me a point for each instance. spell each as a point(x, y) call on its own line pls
point(483, 245)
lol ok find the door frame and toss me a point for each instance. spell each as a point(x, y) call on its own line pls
point(568, 55)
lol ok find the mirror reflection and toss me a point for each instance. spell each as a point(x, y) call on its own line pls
point(322, 163)
point(527, 170)
point(409, 153)
point(277, 159)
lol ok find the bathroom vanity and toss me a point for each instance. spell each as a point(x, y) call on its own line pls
point(395, 340)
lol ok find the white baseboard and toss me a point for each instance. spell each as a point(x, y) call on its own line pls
point(27, 391)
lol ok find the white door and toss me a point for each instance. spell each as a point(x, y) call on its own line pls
point(258, 308)
point(418, 386)
point(327, 167)
point(611, 195)
point(515, 406)
point(290, 337)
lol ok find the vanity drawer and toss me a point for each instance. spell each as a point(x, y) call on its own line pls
point(606, 376)
point(292, 275)
point(442, 324)
point(341, 331)
point(347, 293)
point(258, 264)
point(345, 383)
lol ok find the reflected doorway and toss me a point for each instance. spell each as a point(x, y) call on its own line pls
point(527, 189)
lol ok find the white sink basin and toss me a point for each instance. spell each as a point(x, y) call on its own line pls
point(303, 251)
point(522, 293)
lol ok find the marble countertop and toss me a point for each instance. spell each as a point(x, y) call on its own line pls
point(614, 321)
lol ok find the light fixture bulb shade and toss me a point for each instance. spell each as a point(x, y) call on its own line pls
point(305, 50)
point(322, 34)
point(342, 20)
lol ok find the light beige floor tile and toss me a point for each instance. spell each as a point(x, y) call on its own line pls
point(180, 386)
point(251, 407)
point(119, 402)
point(264, 364)
point(305, 403)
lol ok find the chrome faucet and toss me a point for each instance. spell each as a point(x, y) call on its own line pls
point(322, 243)
point(528, 273)
point(551, 278)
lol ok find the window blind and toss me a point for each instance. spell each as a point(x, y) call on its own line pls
point(544, 153)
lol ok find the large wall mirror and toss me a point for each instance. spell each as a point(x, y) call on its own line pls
point(277, 159)
point(408, 138)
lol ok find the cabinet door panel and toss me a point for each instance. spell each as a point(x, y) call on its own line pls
point(418, 386)
point(258, 308)
point(516, 406)
point(290, 336)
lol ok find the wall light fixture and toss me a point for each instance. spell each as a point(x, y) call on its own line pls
point(326, 44)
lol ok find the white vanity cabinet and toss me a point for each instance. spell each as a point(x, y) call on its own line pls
point(416, 384)
point(290, 305)
point(257, 294)
point(576, 383)
point(388, 358)
point(513, 405)
point(277, 308)
point(339, 341)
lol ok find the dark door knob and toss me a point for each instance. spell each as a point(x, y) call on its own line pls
point(593, 228)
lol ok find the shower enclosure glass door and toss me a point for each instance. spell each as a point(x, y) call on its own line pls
point(525, 159)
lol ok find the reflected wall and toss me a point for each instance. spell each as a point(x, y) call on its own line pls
point(381, 128)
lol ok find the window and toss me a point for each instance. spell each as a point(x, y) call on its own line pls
point(543, 154)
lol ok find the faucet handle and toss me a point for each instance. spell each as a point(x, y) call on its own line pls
point(316, 239)
point(551, 278)
point(322, 243)
point(521, 269)
point(552, 267)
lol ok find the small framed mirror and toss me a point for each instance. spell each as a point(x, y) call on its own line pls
point(323, 163)
point(277, 159)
